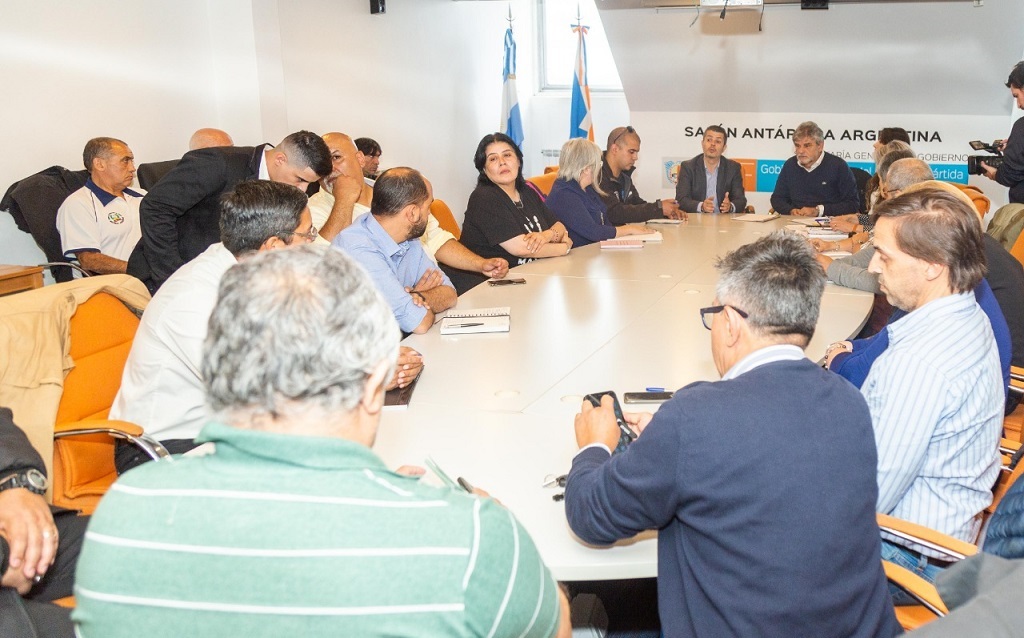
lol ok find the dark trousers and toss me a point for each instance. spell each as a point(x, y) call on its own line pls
point(33, 616)
point(127, 455)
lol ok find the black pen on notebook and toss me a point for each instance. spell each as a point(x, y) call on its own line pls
point(465, 325)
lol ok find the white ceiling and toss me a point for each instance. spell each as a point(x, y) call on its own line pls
point(942, 58)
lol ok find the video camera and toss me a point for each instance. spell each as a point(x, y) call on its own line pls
point(973, 161)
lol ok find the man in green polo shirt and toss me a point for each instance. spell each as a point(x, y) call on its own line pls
point(293, 526)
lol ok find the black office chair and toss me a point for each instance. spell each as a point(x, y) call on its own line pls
point(33, 202)
point(152, 172)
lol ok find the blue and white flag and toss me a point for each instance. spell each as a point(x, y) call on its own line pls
point(580, 124)
point(511, 120)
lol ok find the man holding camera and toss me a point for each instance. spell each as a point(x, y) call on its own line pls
point(38, 544)
point(1011, 172)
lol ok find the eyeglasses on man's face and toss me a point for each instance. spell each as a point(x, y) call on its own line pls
point(707, 314)
point(309, 236)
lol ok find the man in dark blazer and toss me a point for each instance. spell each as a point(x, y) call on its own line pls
point(181, 215)
point(692, 190)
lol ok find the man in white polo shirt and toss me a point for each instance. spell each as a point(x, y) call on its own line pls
point(99, 223)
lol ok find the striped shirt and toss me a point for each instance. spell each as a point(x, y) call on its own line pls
point(277, 535)
point(936, 402)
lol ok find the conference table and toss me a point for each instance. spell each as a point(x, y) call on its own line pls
point(498, 408)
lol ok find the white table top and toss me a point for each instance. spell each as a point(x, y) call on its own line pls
point(498, 408)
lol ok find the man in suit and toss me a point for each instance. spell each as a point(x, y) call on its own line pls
point(181, 215)
point(151, 173)
point(711, 183)
point(757, 504)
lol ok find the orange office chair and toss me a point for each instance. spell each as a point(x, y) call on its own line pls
point(1018, 248)
point(66, 346)
point(1013, 423)
point(444, 217)
point(931, 605)
point(544, 182)
point(101, 333)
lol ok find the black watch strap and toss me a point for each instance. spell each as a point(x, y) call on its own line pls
point(31, 479)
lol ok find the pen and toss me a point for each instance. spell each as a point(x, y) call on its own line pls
point(465, 325)
point(654, 389)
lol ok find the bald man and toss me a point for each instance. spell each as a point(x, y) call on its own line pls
point(344, 196)
point(209, 138)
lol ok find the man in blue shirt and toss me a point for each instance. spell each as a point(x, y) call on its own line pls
point(936, 393)
point(761, 485)
point(385, 244)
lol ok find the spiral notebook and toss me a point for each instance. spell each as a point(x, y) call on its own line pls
point(478, 320)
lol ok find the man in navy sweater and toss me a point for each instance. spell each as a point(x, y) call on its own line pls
point(762, 485)
point(814, 182)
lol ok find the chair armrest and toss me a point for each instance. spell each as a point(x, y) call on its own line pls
point(117, 429)
point(920, 589)
point(954, 548)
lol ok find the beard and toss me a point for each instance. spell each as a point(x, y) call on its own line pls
point(417, 231)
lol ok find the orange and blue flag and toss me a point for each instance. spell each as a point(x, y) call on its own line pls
point(580, 123)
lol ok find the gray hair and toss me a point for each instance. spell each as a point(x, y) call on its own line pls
point(896, 145)
point(890, 158)
point(811, 130)
point(577, 155)
point(99, 147)
point(777, 282)
point(906, 172)
point(295, 330)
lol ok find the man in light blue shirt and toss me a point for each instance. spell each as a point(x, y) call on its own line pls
point(936, 393)
point(385, 244)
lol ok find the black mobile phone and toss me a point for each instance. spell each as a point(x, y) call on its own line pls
point(646, 397)
point(626, 435)
point(506, 282)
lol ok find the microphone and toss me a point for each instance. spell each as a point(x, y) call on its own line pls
point(725, 6)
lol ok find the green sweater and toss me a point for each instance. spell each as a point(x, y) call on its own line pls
point(277, 535)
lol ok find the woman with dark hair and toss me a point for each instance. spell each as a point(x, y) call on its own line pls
point(504, 217)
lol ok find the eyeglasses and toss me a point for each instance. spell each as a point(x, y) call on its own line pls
point(308, 236)
point(628, 129)
point(705, 314)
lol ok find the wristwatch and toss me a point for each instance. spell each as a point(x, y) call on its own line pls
point(32, 480)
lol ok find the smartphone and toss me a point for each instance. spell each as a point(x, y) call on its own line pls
point(626, 435)
point(646, 397)
point(506, 282)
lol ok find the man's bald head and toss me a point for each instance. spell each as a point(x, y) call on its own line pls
point(906, 172)
point(345, 157)
point(208, 138)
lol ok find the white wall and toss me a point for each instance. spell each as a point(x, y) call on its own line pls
point(424, 80)
point(149, 73)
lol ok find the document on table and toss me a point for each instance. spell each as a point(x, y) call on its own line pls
point(477, 321)
point(757, 217)
point(620, 244)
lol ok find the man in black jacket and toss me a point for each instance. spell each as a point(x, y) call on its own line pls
point(625, 206)
point(1011, 171)
point(181, 215)
point(39, 544)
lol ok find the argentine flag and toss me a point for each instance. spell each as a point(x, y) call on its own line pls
point(580, 124)
point(511, 120)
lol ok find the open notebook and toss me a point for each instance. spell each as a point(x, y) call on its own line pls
point(461, 322)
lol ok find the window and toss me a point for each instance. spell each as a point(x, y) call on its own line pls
point(558, 46)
